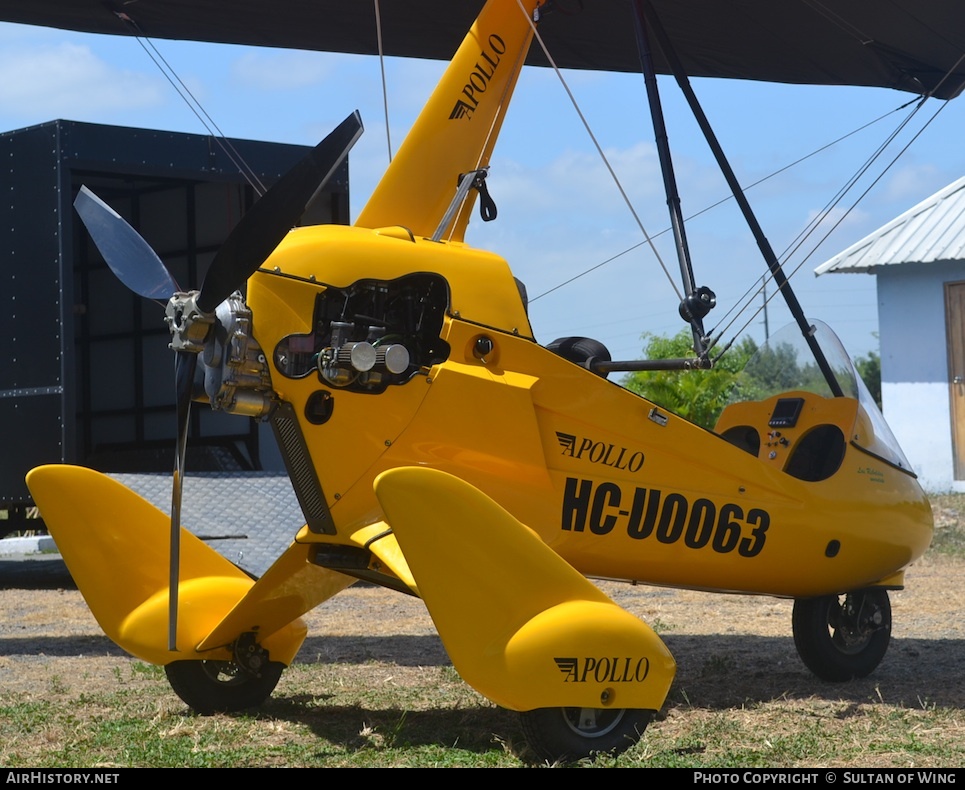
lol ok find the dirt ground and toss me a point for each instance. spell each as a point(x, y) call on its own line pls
point(46, 629)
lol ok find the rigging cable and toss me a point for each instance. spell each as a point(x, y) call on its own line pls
point(725, 199)
point(815, 223)
point(812, 227)
point(648, 239)
point(864, 39)
point(193, 104)
point(858, 200)
point(385, 90)
point(751, 294)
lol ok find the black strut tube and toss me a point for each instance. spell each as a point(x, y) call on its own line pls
point(645, 9)
point(669, 179)
point(604, 367)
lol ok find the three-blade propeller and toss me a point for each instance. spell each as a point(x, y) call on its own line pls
point(253, 239)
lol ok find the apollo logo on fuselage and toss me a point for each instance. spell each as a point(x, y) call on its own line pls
point(478, 80)
point(667, 517)
point(604, 669)
point(603, 453)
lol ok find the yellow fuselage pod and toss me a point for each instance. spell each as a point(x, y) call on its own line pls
point(618, 487)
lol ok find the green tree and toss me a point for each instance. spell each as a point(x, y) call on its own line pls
point(777, 368)
point(697, 395)
point(869, 368)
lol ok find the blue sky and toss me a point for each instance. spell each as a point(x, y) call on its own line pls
point(559, 213)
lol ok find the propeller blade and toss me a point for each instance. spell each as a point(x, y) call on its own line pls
point(125, 251)
point(185, 365)
point(261, 229)
point(277, 211)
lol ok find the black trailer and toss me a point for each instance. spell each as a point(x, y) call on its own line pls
point(86, 376)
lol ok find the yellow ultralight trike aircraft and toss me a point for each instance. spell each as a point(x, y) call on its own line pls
point(437, 449)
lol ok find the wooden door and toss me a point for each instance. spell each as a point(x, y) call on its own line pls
point(955, 327)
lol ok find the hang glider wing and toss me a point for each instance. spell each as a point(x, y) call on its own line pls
point(912, 45)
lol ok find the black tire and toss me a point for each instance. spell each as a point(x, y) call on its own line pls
point(221, 686)
point(582, 351)
point(842, 637)
point(564, 735)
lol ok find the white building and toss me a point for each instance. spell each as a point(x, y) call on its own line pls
point(919, 261)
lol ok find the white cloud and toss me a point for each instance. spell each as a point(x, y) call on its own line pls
point(67, 80)
point(577, 182)
point(838, 217)
point(910, 185)
point(271, 70)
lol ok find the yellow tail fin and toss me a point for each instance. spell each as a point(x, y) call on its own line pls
point(457, 129)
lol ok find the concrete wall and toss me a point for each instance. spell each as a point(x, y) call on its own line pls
point(914, 366)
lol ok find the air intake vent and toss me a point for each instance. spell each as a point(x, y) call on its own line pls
point(298, 462)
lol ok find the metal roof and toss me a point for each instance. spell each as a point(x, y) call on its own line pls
point(934, 230)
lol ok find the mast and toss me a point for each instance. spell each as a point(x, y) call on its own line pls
point(692, 308)
point(455, 133)
point(648, 21)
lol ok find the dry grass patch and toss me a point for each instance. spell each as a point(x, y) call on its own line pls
point(373, 686)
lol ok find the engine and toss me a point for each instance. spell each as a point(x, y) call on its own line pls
point(371, 335)
point(236, 376)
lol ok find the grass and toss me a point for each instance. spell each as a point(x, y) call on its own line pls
point(741, 699)
point(295, 729)
point(949, 537)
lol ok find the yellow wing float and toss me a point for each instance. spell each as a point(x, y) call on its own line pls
point(437, 449)
point(520, 625)
point(115, 545)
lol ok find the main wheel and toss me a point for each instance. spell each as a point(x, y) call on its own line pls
point(564, 735)
point(842, 637)
point(221, 686)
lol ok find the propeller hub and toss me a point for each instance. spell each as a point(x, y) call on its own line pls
point(189, 325)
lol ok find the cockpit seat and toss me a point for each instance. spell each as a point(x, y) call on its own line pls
point(582, 351)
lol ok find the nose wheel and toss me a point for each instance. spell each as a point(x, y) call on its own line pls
point(842, 637)
point(564, 735)
point(222, 686)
